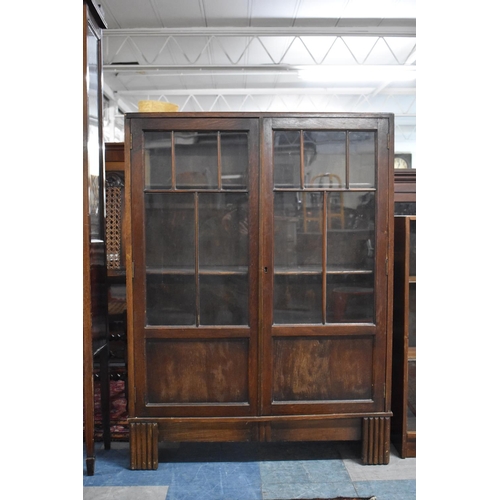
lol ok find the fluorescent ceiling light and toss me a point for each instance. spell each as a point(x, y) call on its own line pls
point(361, 73)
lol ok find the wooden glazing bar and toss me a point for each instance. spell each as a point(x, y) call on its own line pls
point(197, 256)
point(316, 269)
point(334, 330)
point(219, 162)
point(301, 159)
point(266, 265)
point(194, 190)
point(240, 271)
point(347, 160)
point(193, 332)
point(324, 237)
point(304, 212)
point(324, 188)
point(173, 160)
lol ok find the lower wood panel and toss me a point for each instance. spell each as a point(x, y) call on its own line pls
point(316, 369)
point(197, 371)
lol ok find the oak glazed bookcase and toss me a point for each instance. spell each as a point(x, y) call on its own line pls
point(259, 273)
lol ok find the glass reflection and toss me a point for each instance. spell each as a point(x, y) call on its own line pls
point(234, 160)
point(196, 160)
point(350, 298)
point(170, 299)
point(297, 298)
point(300, 222)
point(223, 258)
point(351, 231)
point(223, 233)
point(362, 159)
point(94, 164)
point(196, 243)
point(170, 254)
point(287, 159)
point(324, 159)
point(297, 237)
point(158, 160)
point(224, 299)
point(350, 258)
point(170, 231)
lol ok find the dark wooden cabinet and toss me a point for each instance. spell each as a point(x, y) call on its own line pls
point(95, 327)
point(259, 278)
point(405, 192)
point(117, 303)
point(404, 359)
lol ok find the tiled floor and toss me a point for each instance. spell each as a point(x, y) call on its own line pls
point(249, 471)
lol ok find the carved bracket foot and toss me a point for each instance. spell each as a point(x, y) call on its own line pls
point(143, 445)
point(376, 440)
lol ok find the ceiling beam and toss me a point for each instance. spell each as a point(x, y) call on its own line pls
point(405, 28)
point(235, 68)
point(267, 91)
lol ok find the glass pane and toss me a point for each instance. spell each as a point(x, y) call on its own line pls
point(324, 159)
point(158, 160)
point(297, 298)
point(93, 150)
point(413, 248)
point(362, 159)
point(350, 298)
point(312, 211)
point(196, 160)
point(234, 159)
point(170, 264)
point(223, 252)
point(405, 208)
point(170, 299)
point(298, 251)
point(412, 316)
point(298, 232)
point(117, 299)
point(223, 233)
point(351, 231)
point(169, 231)
point(287, 159)
point(224, 299)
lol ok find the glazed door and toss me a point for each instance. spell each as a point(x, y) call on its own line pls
point(325, 190)
point(195, 253)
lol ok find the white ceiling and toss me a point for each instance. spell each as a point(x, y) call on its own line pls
point(247, 55)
